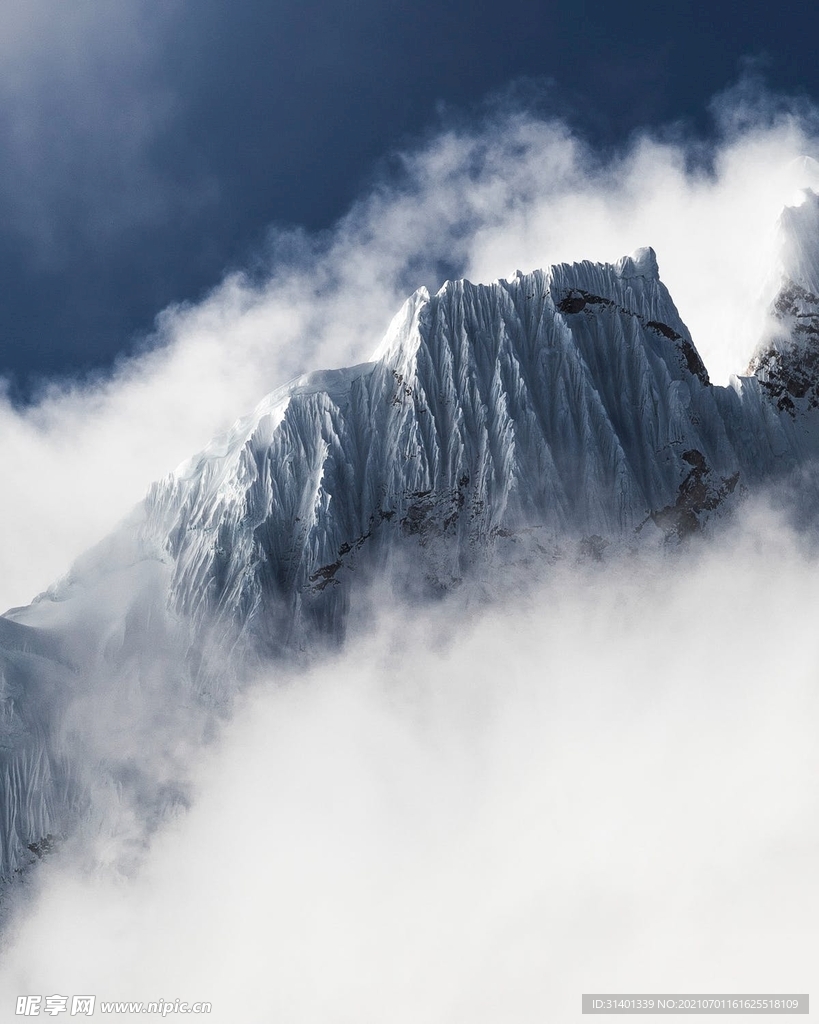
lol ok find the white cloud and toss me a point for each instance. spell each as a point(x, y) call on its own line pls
point(609, 785)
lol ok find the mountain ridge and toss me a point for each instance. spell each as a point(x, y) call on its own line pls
point(496, 425)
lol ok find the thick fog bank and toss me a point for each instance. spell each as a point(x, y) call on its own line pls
point(607, 782)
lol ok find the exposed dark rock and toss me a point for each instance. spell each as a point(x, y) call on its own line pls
point(788, 371)
point(696, 494)
point(325, 575)
point(665, 330)
point(577, 300)
point(42, 847)
point(693, 362)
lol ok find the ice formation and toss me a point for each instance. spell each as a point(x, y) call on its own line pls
point(565, 408)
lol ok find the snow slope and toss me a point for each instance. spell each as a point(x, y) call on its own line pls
point(559, 411)
point(567, 403)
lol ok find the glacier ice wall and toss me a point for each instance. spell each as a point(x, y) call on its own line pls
point(496, 424)
point(566, 403)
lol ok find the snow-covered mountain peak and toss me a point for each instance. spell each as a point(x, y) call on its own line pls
point(397, 342)
point(641, 263)
point(787, 361)
point(489, 415)
point(559, 414)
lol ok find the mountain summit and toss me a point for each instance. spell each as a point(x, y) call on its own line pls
point(494, 421)
point(555, 413)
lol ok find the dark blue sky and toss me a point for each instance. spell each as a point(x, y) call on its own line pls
point(146, 145)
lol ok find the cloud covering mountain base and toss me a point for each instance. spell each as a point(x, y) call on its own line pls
point(607, 785)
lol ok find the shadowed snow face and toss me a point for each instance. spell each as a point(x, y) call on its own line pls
point(608, 784)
